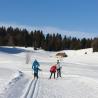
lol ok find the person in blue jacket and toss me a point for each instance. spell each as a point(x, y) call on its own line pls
point(35, 67)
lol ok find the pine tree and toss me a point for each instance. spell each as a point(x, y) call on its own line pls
point(95, 45)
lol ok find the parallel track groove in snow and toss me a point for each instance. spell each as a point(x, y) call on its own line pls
point(30, 90)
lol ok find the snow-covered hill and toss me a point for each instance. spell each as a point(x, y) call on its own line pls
point(79, 74)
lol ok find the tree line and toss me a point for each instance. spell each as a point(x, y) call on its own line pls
point(51, 42)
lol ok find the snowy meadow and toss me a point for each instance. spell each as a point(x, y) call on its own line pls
point(79, 74)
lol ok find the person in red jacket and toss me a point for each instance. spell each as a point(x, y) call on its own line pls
point(53, 71)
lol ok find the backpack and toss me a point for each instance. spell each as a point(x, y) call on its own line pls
point(53, 68)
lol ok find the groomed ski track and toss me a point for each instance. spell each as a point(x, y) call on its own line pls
point(31, 89)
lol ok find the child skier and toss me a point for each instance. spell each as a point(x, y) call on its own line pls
point(52, 71)
point(35, 67)
point(58, 69)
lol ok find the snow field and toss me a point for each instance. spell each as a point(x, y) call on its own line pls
point(79, 75)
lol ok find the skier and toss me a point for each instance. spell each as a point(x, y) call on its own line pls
point(35, 67)
point(52, 71)
point(58, 69)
